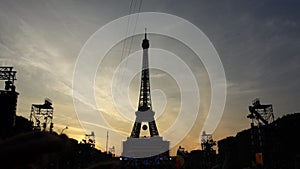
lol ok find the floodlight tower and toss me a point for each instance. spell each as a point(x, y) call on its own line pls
point(259, 115)
point(8, 101)
point(41, 115)
point(207, 142)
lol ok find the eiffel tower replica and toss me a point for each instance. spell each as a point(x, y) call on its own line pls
point(137, 146)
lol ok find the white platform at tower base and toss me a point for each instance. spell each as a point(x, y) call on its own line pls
point(144, 147)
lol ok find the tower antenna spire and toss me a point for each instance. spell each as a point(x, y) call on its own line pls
point(145, 33)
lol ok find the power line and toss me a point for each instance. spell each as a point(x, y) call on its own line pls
point(132, 10)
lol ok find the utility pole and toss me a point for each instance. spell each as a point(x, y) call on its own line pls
point(107, 142)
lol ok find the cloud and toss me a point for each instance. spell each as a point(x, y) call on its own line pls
point(258, 43)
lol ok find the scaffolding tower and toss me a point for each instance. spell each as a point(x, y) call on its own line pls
point(260, 114)
point(8, 101)
point(41, 115)
point(89, 139)
point(7, 73)
point(207, 142)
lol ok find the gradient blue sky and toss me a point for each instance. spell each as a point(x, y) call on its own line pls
point(257, 41)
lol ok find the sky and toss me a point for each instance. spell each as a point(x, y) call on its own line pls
point(257, 42)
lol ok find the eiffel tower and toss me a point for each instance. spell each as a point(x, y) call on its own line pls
point(145, 113)
point(136, 146)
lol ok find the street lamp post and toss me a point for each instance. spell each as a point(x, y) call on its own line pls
point(63, 129)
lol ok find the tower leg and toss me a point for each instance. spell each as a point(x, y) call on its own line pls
point(153, 129)
point(136, 130)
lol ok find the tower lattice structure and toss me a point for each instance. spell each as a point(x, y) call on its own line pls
point(42, 113)
point(8, 101)
point(260, 114)
point(145, 113)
